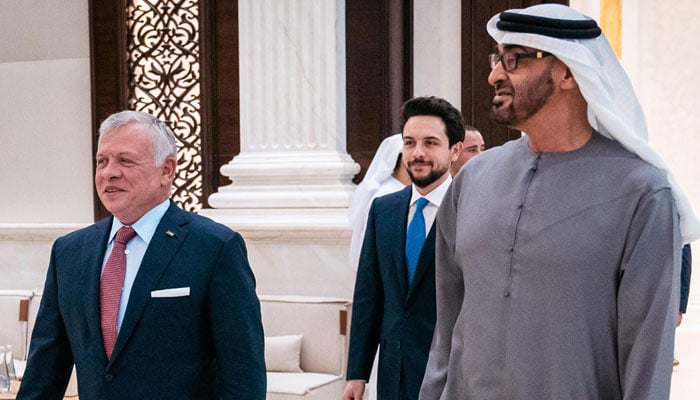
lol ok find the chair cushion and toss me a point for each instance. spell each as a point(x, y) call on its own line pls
point(324, 346)
point(299, 383)
point(283, 353)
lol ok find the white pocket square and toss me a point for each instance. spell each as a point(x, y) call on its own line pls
point(174, 292)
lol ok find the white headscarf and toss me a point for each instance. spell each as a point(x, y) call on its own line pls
point(613, 108)
point(377, 182)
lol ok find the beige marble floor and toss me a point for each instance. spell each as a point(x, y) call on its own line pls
point(685, 383)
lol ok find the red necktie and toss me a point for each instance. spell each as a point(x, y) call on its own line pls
point(111, 287)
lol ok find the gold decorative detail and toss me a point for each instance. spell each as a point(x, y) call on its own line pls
point(611, 23)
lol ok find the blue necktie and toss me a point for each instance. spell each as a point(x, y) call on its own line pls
point(415, 237)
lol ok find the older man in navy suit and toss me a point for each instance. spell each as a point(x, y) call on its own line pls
point(152, 303)
point(394, 300)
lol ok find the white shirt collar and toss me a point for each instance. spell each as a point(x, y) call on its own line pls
point(435, 196)
point(146, 226)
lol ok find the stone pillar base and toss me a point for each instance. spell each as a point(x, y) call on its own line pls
point(281, 180)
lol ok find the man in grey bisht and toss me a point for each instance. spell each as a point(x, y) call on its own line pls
point(557, 267)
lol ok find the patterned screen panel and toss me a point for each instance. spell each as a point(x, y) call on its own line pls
point(164, 80)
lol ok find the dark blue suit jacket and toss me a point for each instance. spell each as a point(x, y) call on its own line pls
point(686, 270)
point(208, 345)
point(386, 311)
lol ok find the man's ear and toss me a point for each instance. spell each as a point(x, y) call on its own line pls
point(568, 81)
point(455, 150)
point(168, 170)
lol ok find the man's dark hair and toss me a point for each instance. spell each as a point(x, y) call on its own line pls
point(437, 107)
point(468, 127)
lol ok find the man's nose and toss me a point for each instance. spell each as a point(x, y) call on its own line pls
point(418, 151)
point(497, 74)
point(109, 170)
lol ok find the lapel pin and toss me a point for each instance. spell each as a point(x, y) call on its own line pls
point(170, 233)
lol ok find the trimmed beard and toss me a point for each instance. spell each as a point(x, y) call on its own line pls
point(533, 97)
point(426, 181)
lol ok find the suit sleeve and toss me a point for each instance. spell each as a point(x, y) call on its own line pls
point(367, 306)
point(686, 270)
point(236, 324)
point(50, 360)
point(647, 303)
point(449, 293)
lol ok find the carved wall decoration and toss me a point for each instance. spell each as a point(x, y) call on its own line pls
point(164, 80)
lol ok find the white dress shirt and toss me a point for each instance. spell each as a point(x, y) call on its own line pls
point(145, 227)
point(434, 199)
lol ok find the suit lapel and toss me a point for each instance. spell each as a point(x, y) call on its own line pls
point(168, 237)
point(93, 252)
point(401, 207)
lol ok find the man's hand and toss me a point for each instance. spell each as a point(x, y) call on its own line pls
point(679, 319)
point(354, 390)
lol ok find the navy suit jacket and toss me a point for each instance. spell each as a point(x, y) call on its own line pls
point(686, 270)
point(386, 310)
point(208, 345)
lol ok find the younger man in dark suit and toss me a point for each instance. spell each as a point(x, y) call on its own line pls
point(152, 303)
point(394, 300)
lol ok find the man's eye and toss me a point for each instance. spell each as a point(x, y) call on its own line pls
point(125, 162)
point(509, 58)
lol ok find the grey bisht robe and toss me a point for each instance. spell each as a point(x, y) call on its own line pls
point(557, 277)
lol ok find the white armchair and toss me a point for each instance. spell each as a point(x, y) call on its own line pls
point(323, 324)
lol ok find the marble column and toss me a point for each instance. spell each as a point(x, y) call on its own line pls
point(291, 182)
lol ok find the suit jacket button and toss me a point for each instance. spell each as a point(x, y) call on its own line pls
point(406, 314)
point(109, 377)
point(398, 344)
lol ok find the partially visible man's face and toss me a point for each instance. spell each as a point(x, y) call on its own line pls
point(126, 179)
point(522, 92)
point(426, 150)
point(473, 145)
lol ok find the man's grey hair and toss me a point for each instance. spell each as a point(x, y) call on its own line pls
point(162, 137)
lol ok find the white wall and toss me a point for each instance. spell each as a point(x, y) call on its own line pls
point(666, 77)
point(45, 123)
point(588, 7)
point(45, 132)
point(436, 49)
